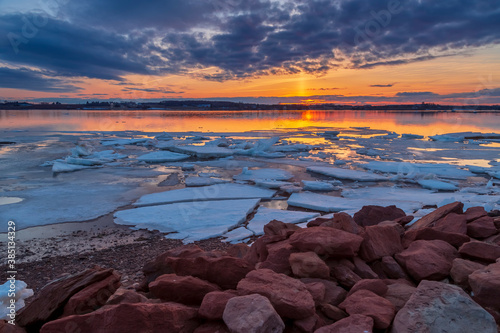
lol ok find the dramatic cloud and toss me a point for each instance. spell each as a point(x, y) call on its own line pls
point(241, 39)
point(382, 85)
point(26, 79)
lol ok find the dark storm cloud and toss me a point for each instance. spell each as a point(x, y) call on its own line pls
point(382, 85)
point(26, 79)
point(243, 39)
point(152, 90)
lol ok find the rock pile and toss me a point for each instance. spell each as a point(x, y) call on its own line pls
point(370, 273)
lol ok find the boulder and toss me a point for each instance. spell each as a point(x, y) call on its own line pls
point(326, 241)
point(372, 215)
point(238, 250)
point(289, 296)
point(278, 257)
point(461, 269)
point(392, 269)
point(333, 312)
point(480, 251)
point(137, 318)
point(212, 327)
point(353, 324)
point(213, 304)
point(308, 265)
point(48, 302)
point(334, 294)
point(362, 269)
point(276, 227)
point(92, 297)
point(482, 227)
point(453, 223)
point(430, 219)
point(428, 259)
point(343, 274)
point(5, 327)
point(308, 325)
point(123, 295)
point(258, 250)
point(376, 286)
point(317, 291)
point(367, 303)
point(440, 307)
point(485, 284)
point(432, 234)
point(380, 241)
point(474, 213)
point(345, 222)
point(398, 294)
point(181, 289)
point(252, 314)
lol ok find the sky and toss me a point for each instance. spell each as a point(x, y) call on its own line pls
point(264, 51)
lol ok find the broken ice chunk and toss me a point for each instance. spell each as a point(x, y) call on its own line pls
point(162, 156)
point(433, 184)
point(263, 174)
point(347, 174)
point(65, 167)
point(203, 181)
point(203, 151)
point(317, 186)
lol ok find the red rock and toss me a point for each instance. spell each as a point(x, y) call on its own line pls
point(495, 240)
point(362, 269)
point(333, 312)
point(123, 295)
point(461, 269)
point(432, 234)
point(441, 307)
point(353, 324)
point(372, 215)
point(392, 269)
point(482, 227)
point(278, 257)
point(474, 213)
point(496, 221)
point(238, 250)
point(50, 300)
point(289, 296)
point(308, 325)
point(376, 286)
point(258, 250)
point(137, 318)
point(430, 219)
point(317, 291)
point(212, 327)
point(452, 223)
point(92, 297)
point(429, 260)
point(378, 269)
point(367, 303)
point(345, 222)
point(326, 241)
point(224, 271)
point(398, 294)
point(214, 303)
point(276, 227)
point(480, 251)
point(8, 328)
point(308, 264)
point(334, 294)
point(404, 220)
point(252, 314)
point(343, 274)
point(399, 228)
point(181, 289)
point(485, 284)
point(380, 241)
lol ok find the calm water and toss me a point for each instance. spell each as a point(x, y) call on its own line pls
point(423, 123)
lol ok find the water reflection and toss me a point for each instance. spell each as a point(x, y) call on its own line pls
point(422, 123)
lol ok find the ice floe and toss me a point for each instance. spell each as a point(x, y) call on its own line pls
point(418, 170)
point(21, 292)
point(9, 200)
point(236, 235)
point(192, 221)
point(194, 181)
point(318, 186)
point(122, 142)
point(463, 136)
point(162, 156)
point(66, 167)
point(274, 184)
point(433, 184)
point(263, 174)
point(203, 151)
point(213, 192)
point(346, 174)
point(265, 215)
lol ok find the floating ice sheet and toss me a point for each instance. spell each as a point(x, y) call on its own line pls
point(274, 184)
point(162, 156)
point(263, 174)
point(213, 192)
point(65, 167)
point(203, 151)
point(122, 142)
point(346, 174)
point(462, 136)
point(191, 220)
point(433, 184)
point(203, 181)
point(237, 235)
point(317, 186)
point(418, 170)
point(265, 215)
